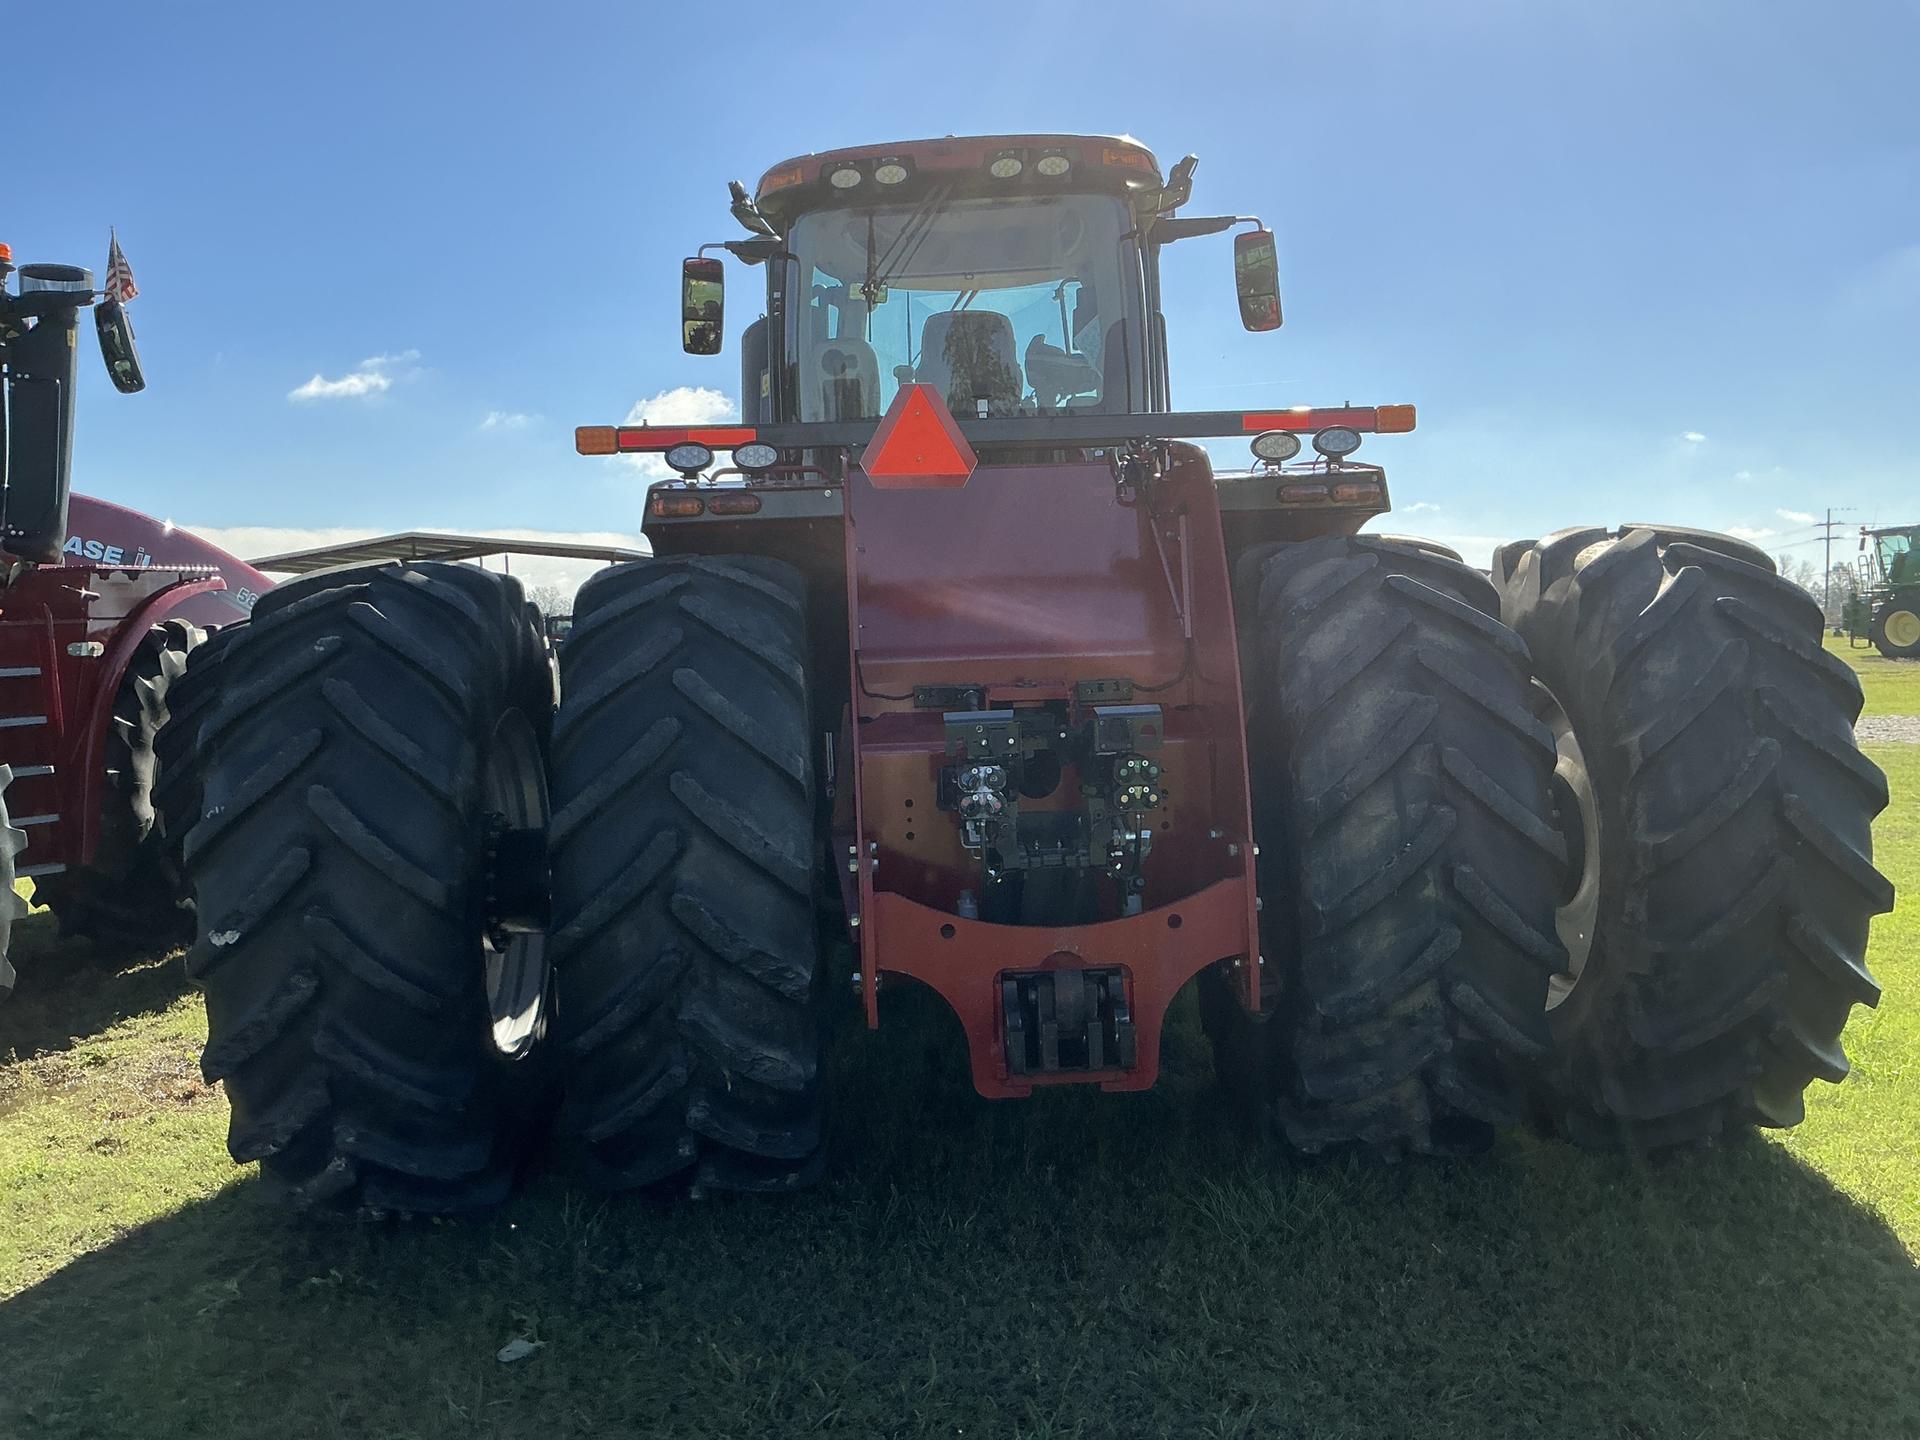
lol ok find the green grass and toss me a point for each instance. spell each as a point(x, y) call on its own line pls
point(1077, 1266)
point(1892, 686)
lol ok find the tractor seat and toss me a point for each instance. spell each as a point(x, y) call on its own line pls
point(968, 355)
point(846, 381)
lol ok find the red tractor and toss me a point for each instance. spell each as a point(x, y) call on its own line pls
point(968, 668)
point(99, 607)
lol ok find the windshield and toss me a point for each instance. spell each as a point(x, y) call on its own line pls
point(1896, 559)
point(1007, 307)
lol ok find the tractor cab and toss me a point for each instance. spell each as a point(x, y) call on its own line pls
point(1016, 275)
point(1895, 560)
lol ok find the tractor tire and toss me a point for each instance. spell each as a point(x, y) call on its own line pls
point(176, 790)
point(685, 852)
point(1247, 1053)
point(371, 741)
point(12, 908)
point(1895, 629)
point(1733, 814)
point(1402, 798)
point(132, 895)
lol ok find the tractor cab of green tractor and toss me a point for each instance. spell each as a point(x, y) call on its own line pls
point(1899, 563)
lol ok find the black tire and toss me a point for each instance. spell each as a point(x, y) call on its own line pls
point(350, 765)
point(132, 894)
point(1410, 871)
point(1247, 1047)
point(176, 790)
point(684, 855)
point(12, 908)
point(1734, 821)
point(1896, 620)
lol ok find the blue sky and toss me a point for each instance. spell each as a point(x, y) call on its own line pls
point(1632, 261)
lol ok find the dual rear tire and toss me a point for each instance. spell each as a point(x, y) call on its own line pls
point(1588, 844)
point(375, 732)
point(1734, 884)
point(395, 1026)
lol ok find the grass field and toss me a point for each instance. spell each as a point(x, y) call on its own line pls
point(1078, 1266)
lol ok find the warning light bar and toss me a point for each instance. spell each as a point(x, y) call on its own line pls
point(1065, 428)
point(1378, 419)
point(629, 439)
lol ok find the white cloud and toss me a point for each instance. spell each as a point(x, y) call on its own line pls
point(683, 405)
point(1798, 517)
point(251, 542)
point(370, 377)
point(1743, 475)
point(1417, 507)
point(361, 382)
point(507, 420)
point(1693, 437)
point(1748, 532)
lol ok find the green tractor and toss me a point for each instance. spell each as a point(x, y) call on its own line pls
point(1886, 607)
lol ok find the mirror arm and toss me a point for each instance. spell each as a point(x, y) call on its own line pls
point(1169, 228)
point(753, 252)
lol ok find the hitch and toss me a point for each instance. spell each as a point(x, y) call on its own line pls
point(1059, 1020)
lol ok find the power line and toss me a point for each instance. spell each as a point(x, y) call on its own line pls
point(1826, 598)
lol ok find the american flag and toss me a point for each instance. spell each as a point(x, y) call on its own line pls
point(119, 274)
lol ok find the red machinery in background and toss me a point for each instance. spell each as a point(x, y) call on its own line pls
point(99, 607)
point(89, 651)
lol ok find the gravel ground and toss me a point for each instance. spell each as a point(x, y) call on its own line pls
point(1885, 729)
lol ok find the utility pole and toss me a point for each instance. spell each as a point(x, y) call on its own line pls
point(1826, 570)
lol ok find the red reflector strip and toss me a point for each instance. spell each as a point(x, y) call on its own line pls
point(1356, 417)
point(665, 437)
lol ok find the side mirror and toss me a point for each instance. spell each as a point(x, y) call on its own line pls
point(115, 328)
point(703, 285)
point(1256, 279)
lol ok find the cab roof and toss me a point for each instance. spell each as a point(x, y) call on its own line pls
point(1090, 161)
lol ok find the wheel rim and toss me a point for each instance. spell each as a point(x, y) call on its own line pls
point(1903, 629)
point(513, 935)
point(1573, 787)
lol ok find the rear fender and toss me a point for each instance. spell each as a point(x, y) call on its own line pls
point(97, 689)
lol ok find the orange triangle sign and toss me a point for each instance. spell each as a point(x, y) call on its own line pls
point(918, 447)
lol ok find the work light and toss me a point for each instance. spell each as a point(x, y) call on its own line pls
point(689, 458)
point(755, 457)
point(1273, 446)
point(1336, 441)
